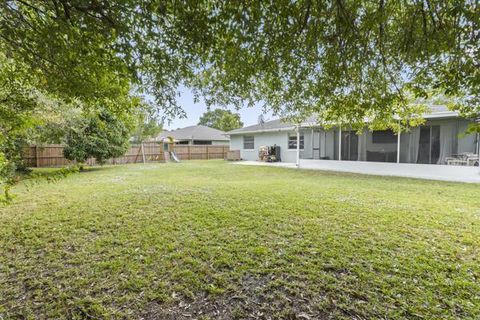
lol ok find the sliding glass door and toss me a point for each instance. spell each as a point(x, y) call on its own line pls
point(429, 144)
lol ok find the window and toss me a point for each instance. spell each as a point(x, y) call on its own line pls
point(292, 142)
point(384, 136)
point(202, 142)
point(248, 142)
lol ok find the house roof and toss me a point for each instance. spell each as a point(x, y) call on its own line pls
point(197, 132)
point(436, 112)
point(268, 126)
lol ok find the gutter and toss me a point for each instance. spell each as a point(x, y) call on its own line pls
point(263, 131)
point(436, 115)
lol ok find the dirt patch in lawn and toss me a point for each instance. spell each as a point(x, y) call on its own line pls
point(257, 298)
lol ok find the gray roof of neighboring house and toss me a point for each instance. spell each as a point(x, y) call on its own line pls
point(436, 111)
point(197, 132)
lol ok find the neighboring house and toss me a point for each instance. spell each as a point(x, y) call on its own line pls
point(439, 141)
point(196, 135)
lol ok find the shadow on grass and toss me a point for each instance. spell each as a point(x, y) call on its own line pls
point(52, 174)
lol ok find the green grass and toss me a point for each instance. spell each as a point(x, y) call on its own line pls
point(213, 240)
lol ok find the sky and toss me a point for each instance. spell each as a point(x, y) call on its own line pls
point(194, 110)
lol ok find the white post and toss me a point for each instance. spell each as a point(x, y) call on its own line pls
point(478, 145)
point(478, 151)
point(398, 146)
point(340, 143)
point(297, 129)
point(311, 144)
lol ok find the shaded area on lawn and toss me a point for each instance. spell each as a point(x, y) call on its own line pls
point(219, 241)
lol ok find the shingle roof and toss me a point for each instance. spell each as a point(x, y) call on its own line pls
point(436, 111)
point(197, 132)
point(272, 125)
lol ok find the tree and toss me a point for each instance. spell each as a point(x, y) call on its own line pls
point(147, 125)
point(344, 60)
point(221, 119)
point(101, 136)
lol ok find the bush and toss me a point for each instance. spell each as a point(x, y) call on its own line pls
point(7, 178)
point(101, 136)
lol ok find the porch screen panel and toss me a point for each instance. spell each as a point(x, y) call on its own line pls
point(429, 144)
point(435, 144)
point(382, 146)
point(424, 145)
point(349, 145)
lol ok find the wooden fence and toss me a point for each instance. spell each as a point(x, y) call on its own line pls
point(52, 155)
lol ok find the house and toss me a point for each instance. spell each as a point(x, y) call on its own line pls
point(196, 135)
point(441, 140)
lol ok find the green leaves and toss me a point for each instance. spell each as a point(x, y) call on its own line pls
point(224, 120)
point(344, 60)
point(101, 136)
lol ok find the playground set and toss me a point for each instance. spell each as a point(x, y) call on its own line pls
point(169, 154)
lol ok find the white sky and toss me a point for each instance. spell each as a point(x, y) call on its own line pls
point(248, 116)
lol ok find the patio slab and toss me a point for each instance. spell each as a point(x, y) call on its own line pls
point(409, 170)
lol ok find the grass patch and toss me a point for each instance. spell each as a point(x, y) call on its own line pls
point(212, 240)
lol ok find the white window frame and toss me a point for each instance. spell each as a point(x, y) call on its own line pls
point(252, 143)
point(293, 137)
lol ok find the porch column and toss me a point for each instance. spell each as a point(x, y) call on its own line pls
point(297, 129)
point(398, 145)
point(311, 144)
point(340, 143)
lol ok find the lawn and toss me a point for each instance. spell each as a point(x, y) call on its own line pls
point(213, 240)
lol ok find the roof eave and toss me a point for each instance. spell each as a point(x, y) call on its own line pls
point(263, 130)
point(445, 114)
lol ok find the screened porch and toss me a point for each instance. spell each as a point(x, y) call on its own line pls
point(437, 142)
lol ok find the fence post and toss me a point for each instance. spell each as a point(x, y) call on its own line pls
point(208, 154)
point(189, 152)
point(36, 157)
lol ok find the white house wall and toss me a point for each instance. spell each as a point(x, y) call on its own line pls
point(220, 142)
point(279, 138)
point(329, 142)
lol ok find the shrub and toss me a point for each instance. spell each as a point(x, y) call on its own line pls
point(101, 136)
point(7, 178)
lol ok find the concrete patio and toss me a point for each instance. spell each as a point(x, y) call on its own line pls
point(408, 170)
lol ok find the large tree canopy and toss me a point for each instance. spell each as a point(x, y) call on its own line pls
point(343, 59)
point(221, 119)
point(346, 60)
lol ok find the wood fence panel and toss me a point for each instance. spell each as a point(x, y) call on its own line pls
point(52, 155)
point(182, 152)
